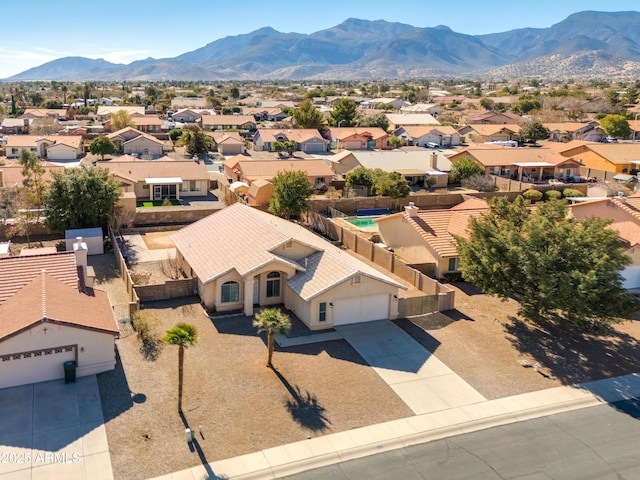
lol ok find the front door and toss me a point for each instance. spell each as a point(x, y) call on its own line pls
point(157, 192)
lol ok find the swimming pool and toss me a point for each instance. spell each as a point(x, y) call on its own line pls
point(363, 222)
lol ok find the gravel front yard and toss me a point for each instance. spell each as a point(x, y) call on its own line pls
point(241, 405)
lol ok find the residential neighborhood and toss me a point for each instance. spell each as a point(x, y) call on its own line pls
point(257, 278)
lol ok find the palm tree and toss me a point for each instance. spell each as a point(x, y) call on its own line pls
point(272, 321)
point(183, 335)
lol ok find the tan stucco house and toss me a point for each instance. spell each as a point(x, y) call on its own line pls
point(51, 147)
point(624, 214)
point(160, 179)
point(308, 140)
point(49, 317)
point(130, 141)
point(357, 138)
point(244, 257)
point(429, 236)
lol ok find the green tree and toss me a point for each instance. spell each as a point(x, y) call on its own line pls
point(183, 335)
point(102, 146)
point(612, 98)
point(393, 185)
point(487, 104)
point(379, 120)
point(308, 116)
point(464, 167)
point(360, 176)
point(616, 126)
point(234, 92)
point(558, 269)
point(32, 173)
point(291, 194)
point(121, 119)
point(525, 106)
point(534, 131)
point(195, 140)
point(272, 321)
point(395, 141)
point(80, 197)
point(344, 114)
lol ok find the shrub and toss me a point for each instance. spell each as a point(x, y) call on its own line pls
point(142, 325)
point(572, 192)
point(533, 195)
point(481, 183)
point(552, 195)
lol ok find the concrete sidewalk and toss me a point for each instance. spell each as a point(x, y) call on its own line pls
point(330, 449)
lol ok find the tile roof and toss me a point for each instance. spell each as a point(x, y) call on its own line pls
point(47, 299)
point(487, 130)
point(416, 131)
point(267, 169)
point(146, 120)
point(12, 173)
point(439, 228)
point(617, 153)
point(396, 160)
point(569, 126)
point(16, 272)
point(412, 119)
point(346, 132)
point(227, 119)
point(625, 216)
point(242, 238)
point(491, 156)
point(300, 135)
point(141, 169)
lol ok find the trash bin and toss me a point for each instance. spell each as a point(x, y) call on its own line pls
point(70, 371)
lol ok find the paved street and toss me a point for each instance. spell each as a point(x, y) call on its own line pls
point(599, 442)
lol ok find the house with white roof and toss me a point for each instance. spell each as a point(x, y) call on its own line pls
point(243, 257)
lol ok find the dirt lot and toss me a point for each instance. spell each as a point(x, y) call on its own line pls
point(485, 342)
point(158, 240)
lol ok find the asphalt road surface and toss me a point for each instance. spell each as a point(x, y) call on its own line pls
point(600, 443)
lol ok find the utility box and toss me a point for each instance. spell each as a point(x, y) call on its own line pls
point(188, 433)
point(70, 371)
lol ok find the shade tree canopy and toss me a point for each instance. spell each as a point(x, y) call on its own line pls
point(557, 268)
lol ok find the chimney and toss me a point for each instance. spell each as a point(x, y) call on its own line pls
point(80, 251)
point(433, 161)
point(411, 210)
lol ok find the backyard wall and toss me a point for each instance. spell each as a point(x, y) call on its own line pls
point(184, 287)
point(437, 297)
point(134, 301)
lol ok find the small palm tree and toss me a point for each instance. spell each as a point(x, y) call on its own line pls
point(272, 321)
point(183, 335)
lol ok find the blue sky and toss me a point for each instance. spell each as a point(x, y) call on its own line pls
point(121, 31)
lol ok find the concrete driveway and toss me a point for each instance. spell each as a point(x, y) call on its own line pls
point(52, 430)
point(422, 381)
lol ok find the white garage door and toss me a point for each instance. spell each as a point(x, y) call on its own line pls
point(360, 309)
point(35, 366)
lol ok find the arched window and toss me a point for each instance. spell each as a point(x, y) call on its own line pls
point(230, 292)
point(273, 284)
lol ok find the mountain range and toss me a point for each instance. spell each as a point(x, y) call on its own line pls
point(585, 44)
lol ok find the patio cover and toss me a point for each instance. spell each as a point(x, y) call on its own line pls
point(534, 164)
point(162, 181)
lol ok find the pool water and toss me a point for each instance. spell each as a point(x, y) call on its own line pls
point(362, 222)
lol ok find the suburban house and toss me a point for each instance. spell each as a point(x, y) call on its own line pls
point(262, 114)
point(243, 257)
point(397, 120)
point(431, 108)
point(522, 164)
point(569, 131)
point(428, 237)
point(188, 102)
point(443, 136)
point(49, 316)
point(227, 143)
point(52, 147)
point(105, 111)
point(492, 118)
point(624, 214)
point(38, 113)
point(607, 157)
point(241, 169)
point(191, 115)
point(160, 179)
point(308, 140)
point(131, 141)
point(226, 122)
point(481, 133)
point(414, 165)
point(357, 138)
point(374, 103)
point(11, 173)
point(146, 124)
point(15, 125)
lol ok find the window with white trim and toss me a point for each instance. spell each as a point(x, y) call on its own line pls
point(273, 284)
point(230, 292)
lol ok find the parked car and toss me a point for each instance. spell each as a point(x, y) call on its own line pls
point(610, 140)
